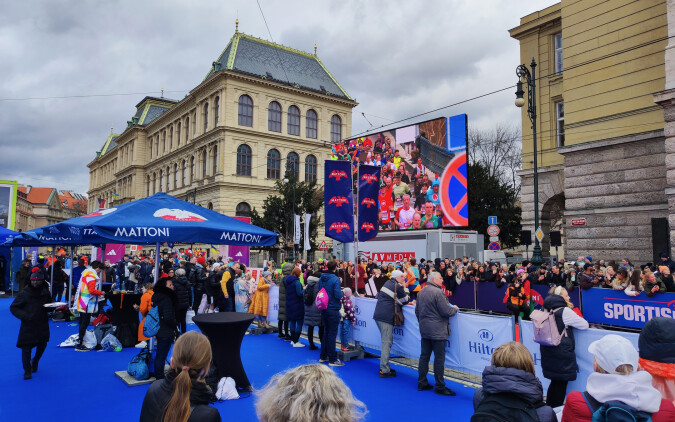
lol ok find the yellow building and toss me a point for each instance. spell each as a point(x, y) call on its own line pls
point(601, 150)
point(261, 107)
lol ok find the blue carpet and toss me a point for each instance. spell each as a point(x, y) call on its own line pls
point(70, 383)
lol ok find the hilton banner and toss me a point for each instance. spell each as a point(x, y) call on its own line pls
point(339, 205)
point(369, 186)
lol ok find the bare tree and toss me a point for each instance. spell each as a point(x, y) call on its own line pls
point(499, 150)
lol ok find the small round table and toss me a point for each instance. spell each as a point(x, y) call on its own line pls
point(225, 331)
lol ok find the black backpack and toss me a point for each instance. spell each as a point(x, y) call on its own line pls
point(504, 408)
point(309, 296)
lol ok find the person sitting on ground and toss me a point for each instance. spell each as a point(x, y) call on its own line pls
point(183, 396)
point(616, 379)
point(510, 383)
point(308, 393)
point(144, 308)
point(657, 354)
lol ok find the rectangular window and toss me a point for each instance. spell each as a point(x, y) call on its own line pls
point(557, 52)
point(560, 123)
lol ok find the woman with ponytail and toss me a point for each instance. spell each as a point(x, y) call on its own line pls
point(183, 396)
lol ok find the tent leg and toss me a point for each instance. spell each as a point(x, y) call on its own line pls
point(11, 272)
point(51, 277)
point(156, 276)
point(70, 279)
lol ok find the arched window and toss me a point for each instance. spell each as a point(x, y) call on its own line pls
point(293, 163)
point(244, 160)
point(243, 210)
point(335, 128)
point(310, 169)
point(192, 169)
point(194, 122)
point(147, 193)
point(184, 166)
point(273, 164)
point(187, 129)
point(245, 111)
point(274, 117)
point(175, 176)
point(164, 142)
point(157, 146)
point(170, 138)
point(161, 180)
point(154, 183)
point(150, 148)
point(206, 116)
point(293, 120)
point(215, 159)
point(178, 134)
point(168, 180)
point(216, 110)
point(210, 205)
point(204, 157)
point(312, 124)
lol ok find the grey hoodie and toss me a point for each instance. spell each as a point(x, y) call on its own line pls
point(634, 389)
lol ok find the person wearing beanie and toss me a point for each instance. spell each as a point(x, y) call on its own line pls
point(657, 354)
point(34, 332)
point(391, 297)
point(617, 378)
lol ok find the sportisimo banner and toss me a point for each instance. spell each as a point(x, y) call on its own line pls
point(369, 186)
point(606, 306)
point(339, 205)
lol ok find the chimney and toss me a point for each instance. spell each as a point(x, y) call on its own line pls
point(28, 188)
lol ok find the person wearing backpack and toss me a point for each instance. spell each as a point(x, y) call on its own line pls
point(183, 396)
point(559, 362)
point(312, 313)
point(166, 302)
point(617, 390)
point(511, 390)
point(330, 316)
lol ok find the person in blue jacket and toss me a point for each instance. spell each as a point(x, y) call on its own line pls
point(331, 315)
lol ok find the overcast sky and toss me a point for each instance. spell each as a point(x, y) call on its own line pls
point(397, 58)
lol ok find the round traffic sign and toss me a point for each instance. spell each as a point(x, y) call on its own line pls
point(493, 230)
point(494, 246)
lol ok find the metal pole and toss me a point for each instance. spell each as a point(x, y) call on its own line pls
point(11, 272)
point(51, 279)
point(70, 279)
point(356, 234)
point(532, 94)
point(294, 222)
point(156, 277)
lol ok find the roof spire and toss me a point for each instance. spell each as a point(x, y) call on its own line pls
point(162, 92)
point(236, 26)
point(315, 49)
point(111, 130)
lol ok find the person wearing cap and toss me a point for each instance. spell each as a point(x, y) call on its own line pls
point(260, 299)
point(657, 354)
point(617, 378)
point(34, 332)
point(393, 293)
point(559, 363)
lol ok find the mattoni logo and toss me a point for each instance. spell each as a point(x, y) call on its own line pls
point(370, 178)
point(337, 174)
point(367, 227)
point(338, 201)
point(485, 335)
point(339, 226)
point(100, 212)
point(368, 202)
point(174, 214)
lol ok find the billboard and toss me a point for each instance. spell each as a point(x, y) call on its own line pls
point(8, 192)
point(423, 176)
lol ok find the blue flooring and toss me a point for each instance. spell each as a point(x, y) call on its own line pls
point(70, 383)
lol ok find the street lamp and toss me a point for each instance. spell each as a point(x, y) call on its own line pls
point(523, 73)
point(290, 172)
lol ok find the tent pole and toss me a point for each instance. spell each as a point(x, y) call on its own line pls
point(70, 279)
point(51, 277)
point(11, 272)
point(156, 263)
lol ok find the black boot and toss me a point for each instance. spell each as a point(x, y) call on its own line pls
point(25, 360)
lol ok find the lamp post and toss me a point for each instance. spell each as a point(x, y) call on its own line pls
point(524, 73)
point(290, 173)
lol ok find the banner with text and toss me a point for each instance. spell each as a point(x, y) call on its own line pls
point(338, 200)
point(369, 186)
point(114, 252)
point(273, 304)
point(614, 307)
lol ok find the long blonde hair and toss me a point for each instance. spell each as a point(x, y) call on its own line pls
point(558, 291)
point(191, 360)
point(513, 355)
point(308, 393)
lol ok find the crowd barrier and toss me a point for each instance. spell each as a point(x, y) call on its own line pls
point(614, 307)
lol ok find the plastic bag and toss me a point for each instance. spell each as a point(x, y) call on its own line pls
point(189, 315)
point(227, 389)
point(71, 341)
point(204, 305)
point(111, 344)
point(90, 339)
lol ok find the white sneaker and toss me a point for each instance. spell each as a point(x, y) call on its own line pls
point(142, 345)
point(298, 344)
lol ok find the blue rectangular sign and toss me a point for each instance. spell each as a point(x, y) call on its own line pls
point(614, 307)
point(338, 199)
point(492, 220)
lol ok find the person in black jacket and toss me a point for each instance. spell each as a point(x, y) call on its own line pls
point(166, 301)
point(182, 289)
point(59, 282)
point(183, 395)
point(34, 332)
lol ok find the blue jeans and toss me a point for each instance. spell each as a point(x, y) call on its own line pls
point(295, 326)
point(331, 320)
point(438, 347)
point(346, 334)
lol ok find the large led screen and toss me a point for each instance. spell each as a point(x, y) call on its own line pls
point(423, 177)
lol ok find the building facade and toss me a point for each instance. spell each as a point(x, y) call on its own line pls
point(600, 134)
point(261, 109)
point(38, 206)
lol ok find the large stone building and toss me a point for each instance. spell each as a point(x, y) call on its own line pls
point(38, 206)
point(261, 107)
point(602, 152)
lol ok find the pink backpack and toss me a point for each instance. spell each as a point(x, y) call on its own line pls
point(545, 328)
point(321, 301)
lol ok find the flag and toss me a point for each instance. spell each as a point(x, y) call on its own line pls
point(101, 203)
point(116, 195)
point(308, 218)
point(215, 250)
point(338, 199)
point(369, 185)
point(296, 238)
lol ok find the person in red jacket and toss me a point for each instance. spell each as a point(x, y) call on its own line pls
point(616, 377)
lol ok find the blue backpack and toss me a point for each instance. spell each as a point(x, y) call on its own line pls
point(614, 411)
point(151, 324)
point(139, 366)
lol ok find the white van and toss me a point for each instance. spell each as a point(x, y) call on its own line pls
point(494, 256)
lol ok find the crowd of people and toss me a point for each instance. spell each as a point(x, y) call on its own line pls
point(644, 383)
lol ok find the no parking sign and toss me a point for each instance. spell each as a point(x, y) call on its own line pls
point(494, 246)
